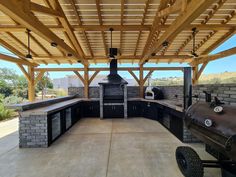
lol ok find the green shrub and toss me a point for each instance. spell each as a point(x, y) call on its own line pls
point(13, 100)
point(5, 113)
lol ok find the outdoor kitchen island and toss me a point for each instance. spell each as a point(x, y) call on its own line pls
point(43, 122)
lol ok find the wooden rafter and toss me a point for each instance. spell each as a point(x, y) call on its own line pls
point(101, 23)
point(21, 43)
point(65, 23)
point(44, 10)
point(142, 23)
point(16, 60)
point(77, 15)
point(27, 19)
point(122, 7)
point(40, 45)
point(225, 21)
point(219, 42)
point(211, 13)
point(11, 48)
point(193, 10)
point(155, 26)
point(222, 54)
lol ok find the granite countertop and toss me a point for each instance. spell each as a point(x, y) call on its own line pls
point(178, 106)
point(45, 110)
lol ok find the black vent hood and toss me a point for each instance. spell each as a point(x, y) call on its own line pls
point(113, 77)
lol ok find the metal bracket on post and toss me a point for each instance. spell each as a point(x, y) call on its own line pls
point(187, 87)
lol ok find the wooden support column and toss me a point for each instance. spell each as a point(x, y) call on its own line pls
point(31, 88)
point(86, 82)
point(141, 81)
point(195, 72)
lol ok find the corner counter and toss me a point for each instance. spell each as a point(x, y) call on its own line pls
point(42, 122)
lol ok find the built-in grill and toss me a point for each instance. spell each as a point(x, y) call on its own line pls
point(113, 94)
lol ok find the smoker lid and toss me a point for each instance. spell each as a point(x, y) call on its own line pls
point(113, 79)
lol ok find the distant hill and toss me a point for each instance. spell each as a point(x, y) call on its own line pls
point(218, 78)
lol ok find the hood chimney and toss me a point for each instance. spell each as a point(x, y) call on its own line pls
point(113, 67)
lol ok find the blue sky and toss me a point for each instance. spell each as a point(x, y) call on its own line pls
point(218, 66)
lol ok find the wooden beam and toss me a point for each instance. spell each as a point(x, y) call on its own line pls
point(201, 70)
point(26, 74)
point(220, 41)
point(93, 76)
point(219, 55)
point(154, 29)
point(39, 77)
point(16, 60)
point(134, 76)
point(11, 48)
point(28, 20)
point(86, 82)
point(217, 27)
point(194, 10)
point(224, 22)
point(142, 23)
point(40, 45)
point(21, 43)
point(31, 88)
point(65, 23)
point(77, 15)
point(141, 82)
point(149, 73)
point(122, 7)
point(44, 10)
point(107, 69)
point(138, 57)
point(101, 22)
point(176, 7)
point(78, 74)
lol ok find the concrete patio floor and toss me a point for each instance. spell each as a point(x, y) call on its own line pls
point(135, 147)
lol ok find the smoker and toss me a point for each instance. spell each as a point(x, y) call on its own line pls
point(213, 123)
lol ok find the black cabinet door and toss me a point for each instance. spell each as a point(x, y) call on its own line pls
point(76, 112)
point(150, 111)
point(134, 109)
point(91, 109)
point(113, 111)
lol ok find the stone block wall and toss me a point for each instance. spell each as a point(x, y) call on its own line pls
point(225, 92)
point(33, 132)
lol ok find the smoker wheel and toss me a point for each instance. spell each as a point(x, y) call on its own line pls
point(189, 162)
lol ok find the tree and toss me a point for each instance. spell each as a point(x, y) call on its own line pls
point(43, 84)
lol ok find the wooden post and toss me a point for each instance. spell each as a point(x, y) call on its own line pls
point(195, 72)
point(141, 81)
point(86, 82)
point(31, 88)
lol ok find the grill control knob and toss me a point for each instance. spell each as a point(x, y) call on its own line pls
point(218, 109)
point(208, 122)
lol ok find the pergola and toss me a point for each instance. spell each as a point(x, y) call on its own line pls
point(154, 31)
